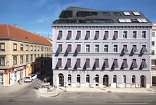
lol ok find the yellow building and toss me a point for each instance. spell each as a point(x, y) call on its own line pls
point(22, 53)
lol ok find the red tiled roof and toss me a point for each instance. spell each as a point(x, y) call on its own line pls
point(15, 33)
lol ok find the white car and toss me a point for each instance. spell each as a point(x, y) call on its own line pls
point(34, 76)
point(28, 79)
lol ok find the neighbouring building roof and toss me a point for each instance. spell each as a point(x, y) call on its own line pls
point(16, 33)
point(84, 15)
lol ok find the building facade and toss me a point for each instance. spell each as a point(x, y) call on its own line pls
point(101, 49)
point(153, 56)
point(22, 53)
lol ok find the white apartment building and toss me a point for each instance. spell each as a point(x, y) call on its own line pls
point(153, 57)
point(101, 48)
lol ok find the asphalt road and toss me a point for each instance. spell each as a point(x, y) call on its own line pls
point(28, 96)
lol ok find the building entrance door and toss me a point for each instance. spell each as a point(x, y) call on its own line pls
point(106, 80)
point(61, 80)
point(142, 81)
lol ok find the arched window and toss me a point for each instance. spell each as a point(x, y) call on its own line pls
point(133, 79)
point(97, 78)
point(69, 78)
point(124, 79)
point(87, 78)
point(78, 78)
point(114, 79)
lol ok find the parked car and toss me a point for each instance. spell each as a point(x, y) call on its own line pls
point(28, 79)
point(34, 76)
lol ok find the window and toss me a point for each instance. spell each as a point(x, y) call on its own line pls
point(78, 35)
point(133, 79)
point(153, 52)
point(59, 63)
point(21, 59)
point(143, 34)
point(27, 58)
point(2, 46)
point(97, 79)
point(78, 49)
point(134, 34)
point(69, 35)
point(87, 48)
point(21, 47)
point(153, 43)
point(69, 79)
point(105, 35)
point(69, 48)
point(125, 34)
point(115, 48)
point(59, 35)
point(124, 79)
point(38, 48)
point(136, 13)
point(41, 48)
point(126, 13)
point(68, 65)
point(35, 56)
point(2, 60)
point(87, 78)
point(96, 35)
point(27, 48)
point(153, 33)
point(59, 48)
point(115, 35)
point(96, 48)
point(114, 79)
point(78, 62)
point(31, 57)
point(78, 78)
point(105, 48)
point(87, 35)
point(35, 48)
point(14, 47)
point(14, 60)
point(31, 47)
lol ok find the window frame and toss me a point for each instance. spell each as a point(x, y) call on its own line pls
point(1, 48)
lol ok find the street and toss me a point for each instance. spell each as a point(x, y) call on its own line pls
point(28, 96)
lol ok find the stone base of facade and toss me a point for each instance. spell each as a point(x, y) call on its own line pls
point(102, 81)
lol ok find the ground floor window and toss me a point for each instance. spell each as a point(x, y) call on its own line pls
point(97, 78)
point(1, 78)
point(133, 79)
point(69, 79)
point(124, 79)
point(114, 79)
point(87, 78)
point(78, 78)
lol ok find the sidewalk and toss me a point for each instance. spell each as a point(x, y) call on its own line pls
point(13, 88)
point(112, 90)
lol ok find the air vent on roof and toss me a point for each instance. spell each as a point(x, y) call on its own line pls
point(126, 13)
point(136, 13)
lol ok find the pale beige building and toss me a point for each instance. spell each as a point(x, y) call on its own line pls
point(22, 53)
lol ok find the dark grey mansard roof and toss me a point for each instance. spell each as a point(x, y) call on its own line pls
point(84, 15)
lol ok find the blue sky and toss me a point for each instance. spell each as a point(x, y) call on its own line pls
point(37, 15)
